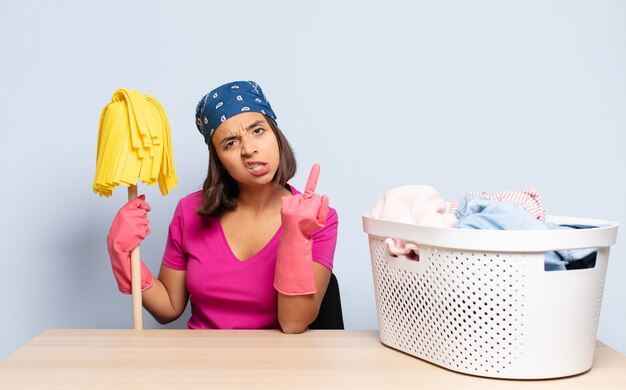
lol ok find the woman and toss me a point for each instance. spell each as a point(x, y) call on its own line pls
point(249, 251)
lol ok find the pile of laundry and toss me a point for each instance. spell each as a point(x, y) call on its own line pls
point(503, 210)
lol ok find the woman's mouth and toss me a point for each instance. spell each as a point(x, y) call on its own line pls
point(258, 168)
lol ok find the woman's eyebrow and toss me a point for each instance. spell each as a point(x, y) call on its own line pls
point(254, 124)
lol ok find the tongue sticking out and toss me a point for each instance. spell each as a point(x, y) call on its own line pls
point(259, 169)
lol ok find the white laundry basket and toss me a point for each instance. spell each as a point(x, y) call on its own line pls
point(481, 303)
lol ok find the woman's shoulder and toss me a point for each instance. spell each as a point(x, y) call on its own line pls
point(186, 210)
point(191, 201)
point(292, 189)
point(194, 196)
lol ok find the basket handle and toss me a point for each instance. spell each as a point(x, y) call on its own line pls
point(404, 249)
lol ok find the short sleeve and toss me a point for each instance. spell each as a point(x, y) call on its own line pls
point(174, 257)
point(325, 241)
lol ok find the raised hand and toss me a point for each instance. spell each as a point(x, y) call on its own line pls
point(301, 215)
point(306, 212)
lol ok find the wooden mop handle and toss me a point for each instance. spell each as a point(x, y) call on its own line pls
point(135, 272)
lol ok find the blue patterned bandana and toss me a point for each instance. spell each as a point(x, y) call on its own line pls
point(228, 100)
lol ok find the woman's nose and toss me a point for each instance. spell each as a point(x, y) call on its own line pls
point(248, 146)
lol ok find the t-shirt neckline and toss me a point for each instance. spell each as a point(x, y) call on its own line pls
point(262, 250)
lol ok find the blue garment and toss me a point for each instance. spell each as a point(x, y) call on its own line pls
point(476, 212)
point(228, 100)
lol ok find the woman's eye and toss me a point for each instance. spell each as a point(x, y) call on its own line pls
point(229, 144)
point(259, 130)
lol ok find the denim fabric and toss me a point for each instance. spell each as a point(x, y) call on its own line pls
point(476, 212)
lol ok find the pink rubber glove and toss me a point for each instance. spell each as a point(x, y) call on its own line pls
point(129, 228)
point(301, 215)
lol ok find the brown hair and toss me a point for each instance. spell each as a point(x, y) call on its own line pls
point(220, 191)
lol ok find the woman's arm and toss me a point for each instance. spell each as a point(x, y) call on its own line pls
point(309, 231)
point(296, 312)
point(167, 298)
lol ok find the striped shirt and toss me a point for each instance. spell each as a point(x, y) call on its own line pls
point(529, 198)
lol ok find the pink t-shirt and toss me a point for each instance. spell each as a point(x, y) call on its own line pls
point(226, 293)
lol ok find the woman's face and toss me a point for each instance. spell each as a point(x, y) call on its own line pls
point(247, 148)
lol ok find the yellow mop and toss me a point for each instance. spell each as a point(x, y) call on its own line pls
point(134, 143)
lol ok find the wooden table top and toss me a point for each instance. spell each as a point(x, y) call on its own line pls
point(253, 359)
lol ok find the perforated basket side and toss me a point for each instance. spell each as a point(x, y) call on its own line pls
point(462, 311)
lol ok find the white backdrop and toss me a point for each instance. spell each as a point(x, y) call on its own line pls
point(481, 95)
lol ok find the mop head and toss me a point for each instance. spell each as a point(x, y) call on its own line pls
point(134, 143)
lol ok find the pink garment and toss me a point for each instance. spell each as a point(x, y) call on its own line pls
point(414, 204)
point(226, 293)
point(529, 198)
